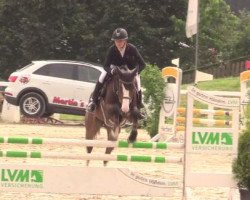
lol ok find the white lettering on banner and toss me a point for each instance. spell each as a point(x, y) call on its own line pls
point(218, 101)
point(151, 181)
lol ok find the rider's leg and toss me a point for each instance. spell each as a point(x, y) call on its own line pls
point(94, 99)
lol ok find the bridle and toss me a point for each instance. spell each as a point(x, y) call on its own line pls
point(121, 83)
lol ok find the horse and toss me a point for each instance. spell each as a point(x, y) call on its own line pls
point(117, 107)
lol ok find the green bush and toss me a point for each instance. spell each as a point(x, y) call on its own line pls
point(154, 84)
point(241, 165)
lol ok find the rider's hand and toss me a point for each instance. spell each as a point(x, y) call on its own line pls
point(114, 70)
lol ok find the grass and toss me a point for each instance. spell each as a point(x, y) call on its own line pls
point(71, 117)
point(223, 84)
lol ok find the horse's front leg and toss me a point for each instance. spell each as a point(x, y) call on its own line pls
point(112, 136)
point(92, 125)
point(133, 117)
point(133, 134)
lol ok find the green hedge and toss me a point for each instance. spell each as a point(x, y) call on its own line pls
point(153, 83)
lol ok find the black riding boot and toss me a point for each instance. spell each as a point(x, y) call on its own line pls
point(94, 99)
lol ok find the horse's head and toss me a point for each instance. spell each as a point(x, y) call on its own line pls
point(126, 86)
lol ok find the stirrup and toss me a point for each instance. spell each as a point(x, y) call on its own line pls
point(91, 107)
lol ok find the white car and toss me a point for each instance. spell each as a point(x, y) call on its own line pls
point(52, 86)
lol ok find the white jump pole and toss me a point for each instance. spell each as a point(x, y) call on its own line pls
point(92, 143)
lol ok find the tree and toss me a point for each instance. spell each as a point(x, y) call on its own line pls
point(241, 47)
point(81, 29)
point(46, 29)
point(218, 34)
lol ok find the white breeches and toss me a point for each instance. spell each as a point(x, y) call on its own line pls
point(102, 77)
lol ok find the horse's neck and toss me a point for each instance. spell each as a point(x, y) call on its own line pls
point(111, 92)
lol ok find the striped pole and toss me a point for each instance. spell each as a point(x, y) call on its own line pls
point(104, 157)
point(206, 111)
point(206, 121)
point(93, 143)
point(180, 128)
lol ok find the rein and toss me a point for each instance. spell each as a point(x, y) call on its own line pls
point(109, 122)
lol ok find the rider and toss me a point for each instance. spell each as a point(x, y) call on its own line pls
point(120, 53)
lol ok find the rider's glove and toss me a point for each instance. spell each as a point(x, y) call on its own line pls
point(113, 70)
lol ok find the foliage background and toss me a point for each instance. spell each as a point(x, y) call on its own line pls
point(81, 30)
point(241, 165)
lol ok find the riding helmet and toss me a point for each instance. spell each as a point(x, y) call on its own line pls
point(120, 34)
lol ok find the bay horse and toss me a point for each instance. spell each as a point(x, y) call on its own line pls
point(117, 106)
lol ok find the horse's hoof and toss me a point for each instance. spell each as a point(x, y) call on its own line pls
point(105, 163)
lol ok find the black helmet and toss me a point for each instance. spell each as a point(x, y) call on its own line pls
point(120, 34)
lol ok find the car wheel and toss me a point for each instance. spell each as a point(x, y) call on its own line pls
point(32, 105)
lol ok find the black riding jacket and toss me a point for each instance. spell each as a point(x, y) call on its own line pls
point(131, 58)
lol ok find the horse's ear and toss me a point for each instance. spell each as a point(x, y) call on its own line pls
point(134, 71)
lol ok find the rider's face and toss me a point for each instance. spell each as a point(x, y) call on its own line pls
point(120, 43)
